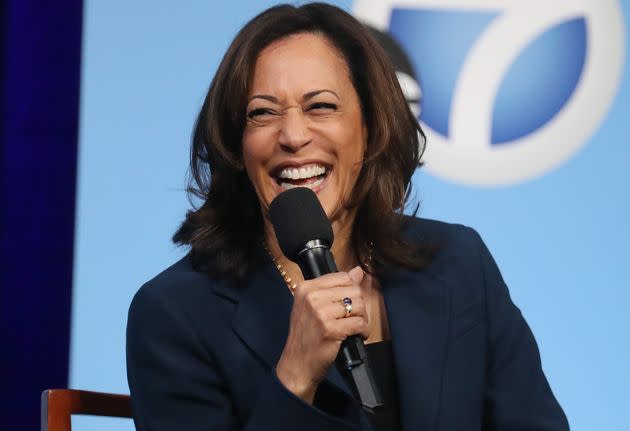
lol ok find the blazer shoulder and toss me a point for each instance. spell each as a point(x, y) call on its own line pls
point(457, 250)
point(179, 287)
point(169, 281)
point(449, 237)
point(462, 261)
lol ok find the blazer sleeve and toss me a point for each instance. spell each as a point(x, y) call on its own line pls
point(517, 395)
point(175, 383)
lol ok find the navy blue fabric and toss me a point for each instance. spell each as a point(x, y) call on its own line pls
point(41, 47)
point(201, 352)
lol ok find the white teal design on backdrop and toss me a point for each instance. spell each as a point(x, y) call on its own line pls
point(535, 157)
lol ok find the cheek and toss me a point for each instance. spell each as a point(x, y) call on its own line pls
point(257, 152)
point(253, 169)
point(254, 154)
point(248, 160)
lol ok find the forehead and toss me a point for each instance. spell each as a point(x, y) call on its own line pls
point(300, 62)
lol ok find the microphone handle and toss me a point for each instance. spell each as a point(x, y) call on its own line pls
point(316, 260)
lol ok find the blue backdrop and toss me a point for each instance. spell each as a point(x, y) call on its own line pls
point(40, 56)
point(526, 107)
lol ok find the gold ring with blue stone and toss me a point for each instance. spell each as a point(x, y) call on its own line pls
point(347, 303)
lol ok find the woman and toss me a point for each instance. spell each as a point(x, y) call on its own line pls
point(232, 337)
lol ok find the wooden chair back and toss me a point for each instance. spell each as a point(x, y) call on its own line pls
point(57, 405)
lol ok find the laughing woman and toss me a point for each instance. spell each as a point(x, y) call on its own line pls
point(232, 337)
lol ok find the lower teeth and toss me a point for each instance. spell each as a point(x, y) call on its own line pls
point(287, 186)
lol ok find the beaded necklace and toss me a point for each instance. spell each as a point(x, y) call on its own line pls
point(287, 278)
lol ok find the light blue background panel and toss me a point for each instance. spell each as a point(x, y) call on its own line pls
point(561, 239)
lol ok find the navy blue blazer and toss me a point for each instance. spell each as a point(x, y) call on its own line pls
point(201, 352)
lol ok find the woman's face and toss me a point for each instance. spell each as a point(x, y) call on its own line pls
point(304, 123)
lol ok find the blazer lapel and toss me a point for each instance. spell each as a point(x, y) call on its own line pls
point(263, 314)
point(417, 305)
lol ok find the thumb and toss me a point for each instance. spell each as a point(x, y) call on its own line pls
point(356, 274)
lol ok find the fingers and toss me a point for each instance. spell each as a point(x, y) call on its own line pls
point(337, 310)
point(358, 326)
point(330, 288)
point(326, 281)
point(323, 298)
point(341, 329)
point(341, 324)
point(335, 279)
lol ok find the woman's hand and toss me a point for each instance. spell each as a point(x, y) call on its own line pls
point(317, 328)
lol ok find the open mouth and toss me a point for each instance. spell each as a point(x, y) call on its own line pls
point(311, 176)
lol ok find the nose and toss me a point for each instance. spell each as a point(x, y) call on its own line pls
point(294, 132)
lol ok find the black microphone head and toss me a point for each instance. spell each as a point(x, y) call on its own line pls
point(298, 217)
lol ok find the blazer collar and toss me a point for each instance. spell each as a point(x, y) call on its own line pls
point(417, 305)
point(262, 315)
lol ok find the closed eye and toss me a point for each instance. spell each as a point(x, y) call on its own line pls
point(259, 111)
point(322, 106)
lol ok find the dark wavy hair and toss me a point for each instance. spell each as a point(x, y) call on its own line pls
point(225, 232)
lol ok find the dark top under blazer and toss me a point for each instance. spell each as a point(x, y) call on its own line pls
point(201, 352)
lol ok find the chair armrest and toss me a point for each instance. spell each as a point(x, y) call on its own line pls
point(57, 405)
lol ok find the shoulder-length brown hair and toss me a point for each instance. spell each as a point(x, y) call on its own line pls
point(226, 231)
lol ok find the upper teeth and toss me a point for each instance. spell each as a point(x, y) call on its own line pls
point(302, 173)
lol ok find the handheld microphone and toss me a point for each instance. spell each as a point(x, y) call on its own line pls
point(305, 236)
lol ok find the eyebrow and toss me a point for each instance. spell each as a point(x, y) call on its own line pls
point(305, 97)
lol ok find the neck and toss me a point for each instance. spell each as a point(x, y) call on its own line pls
point(342, 249)
point(344, 255)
